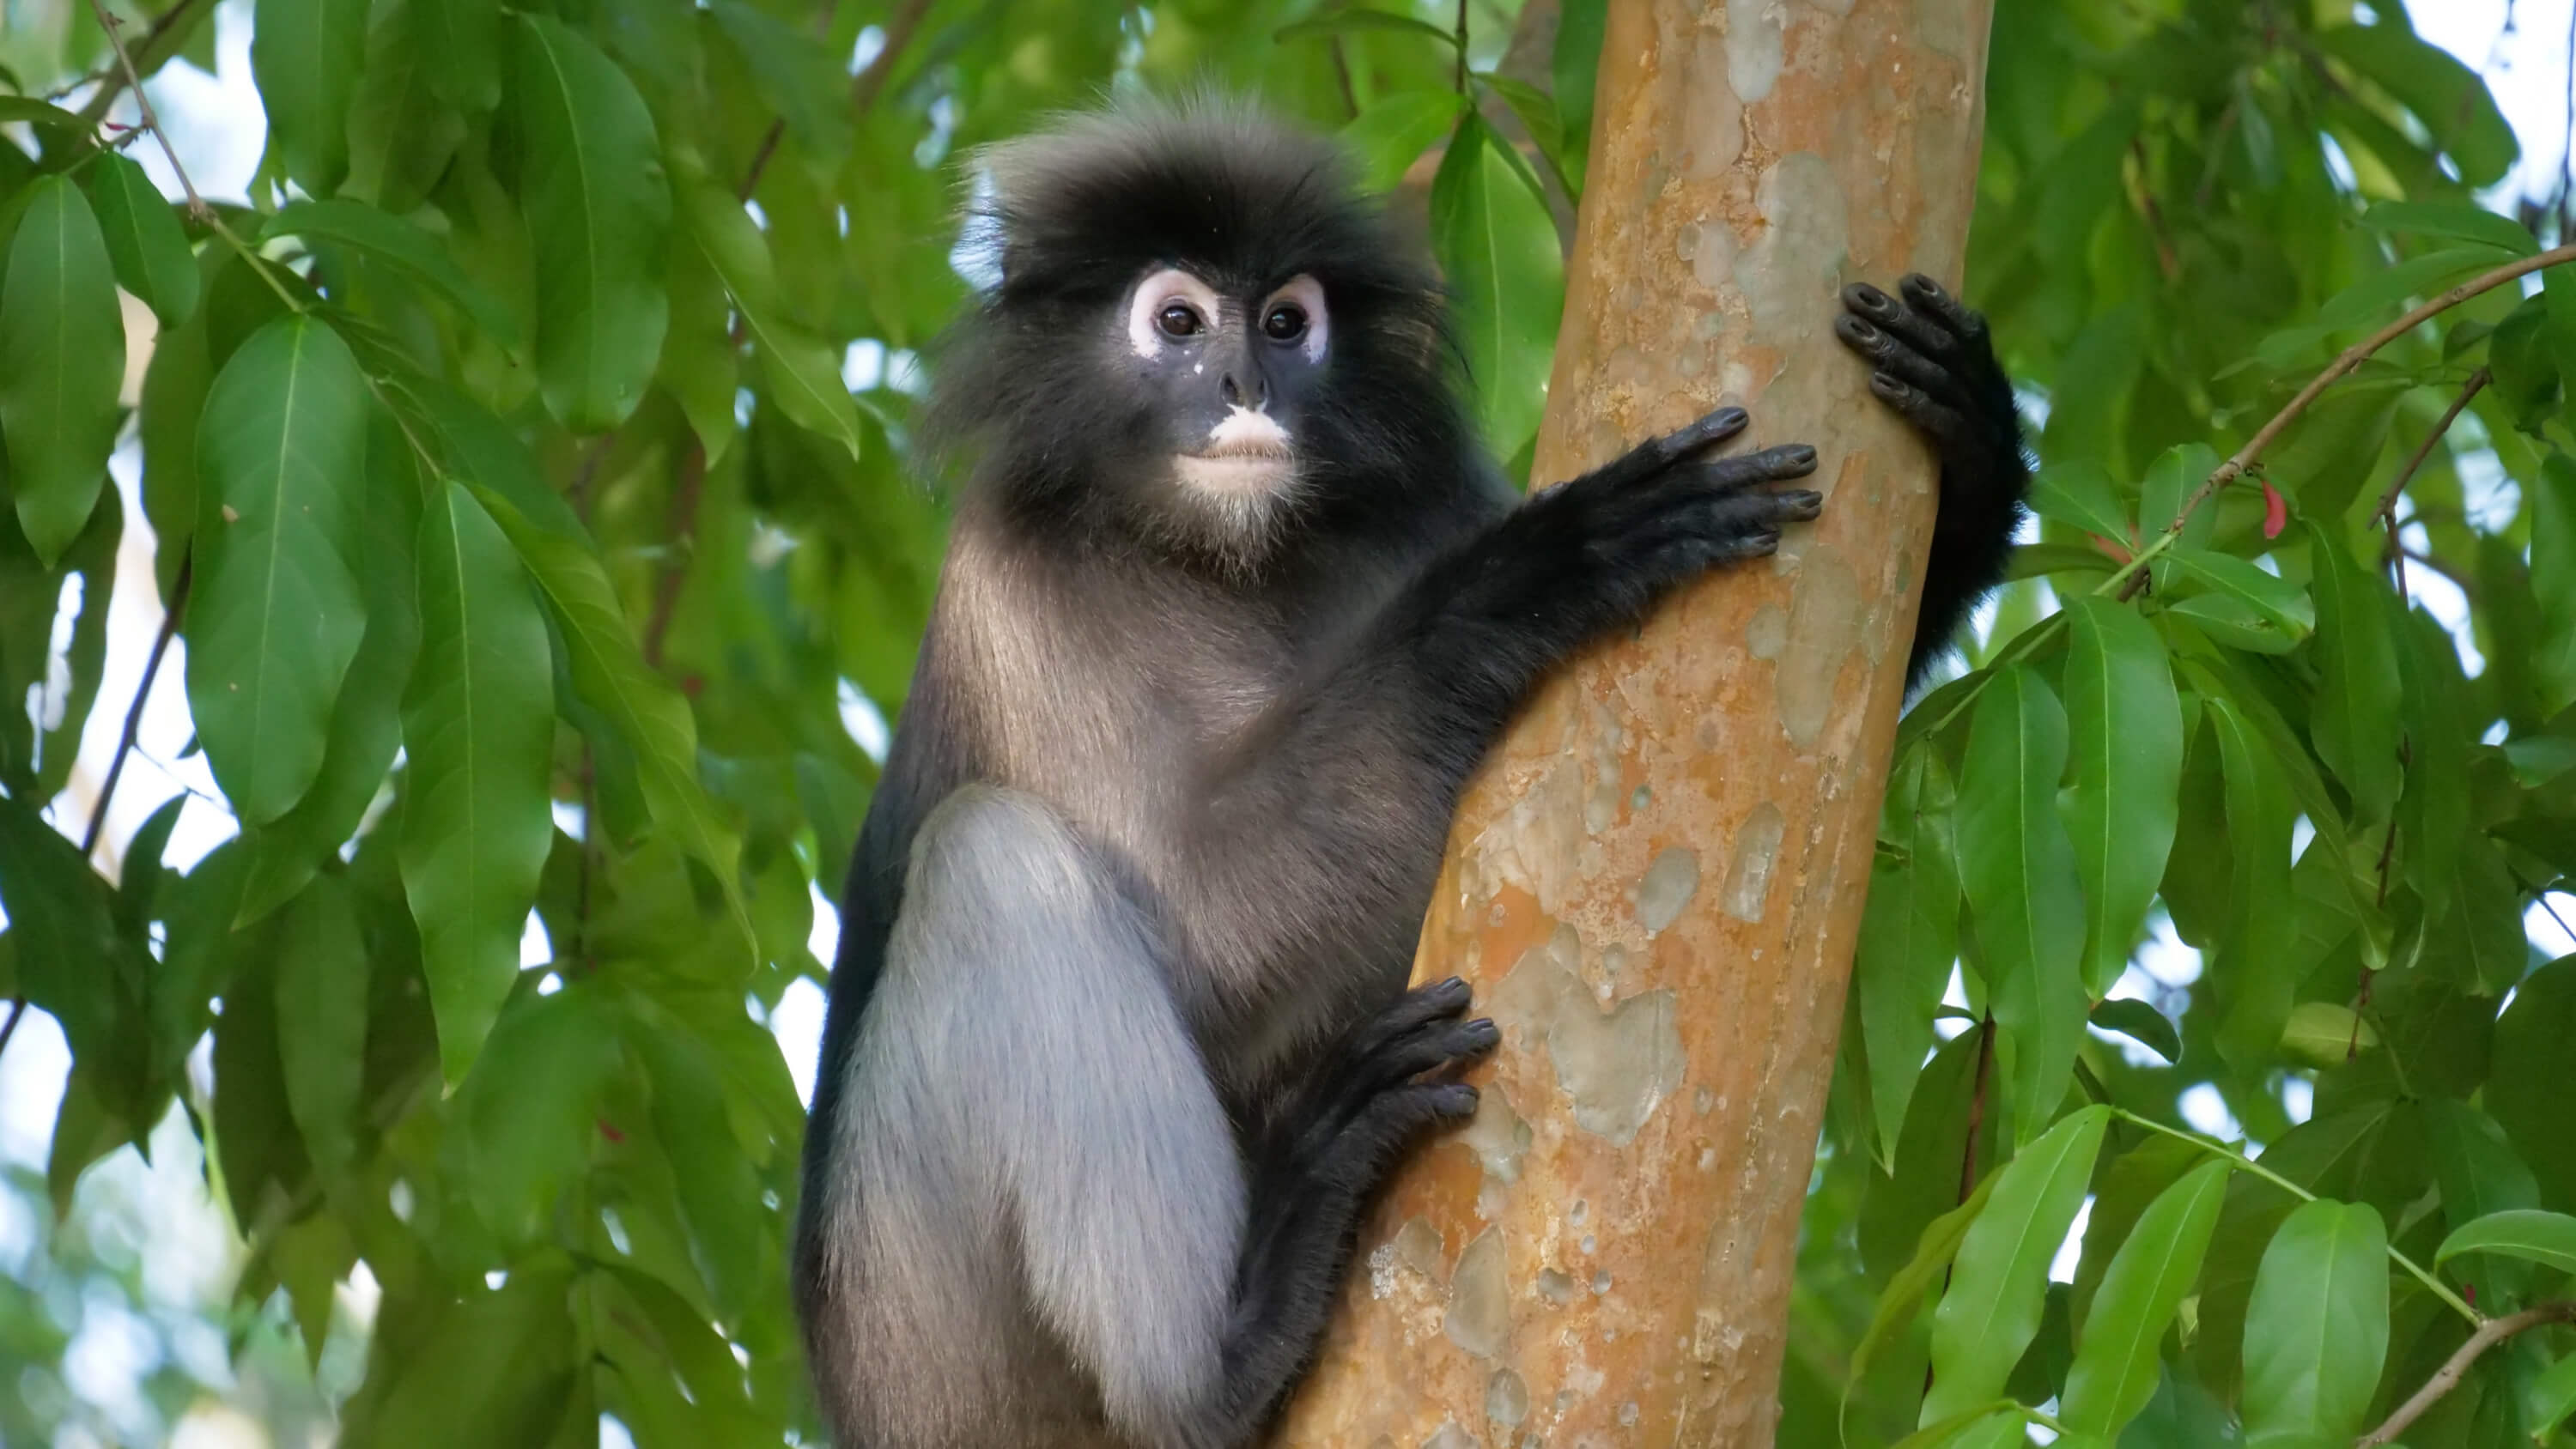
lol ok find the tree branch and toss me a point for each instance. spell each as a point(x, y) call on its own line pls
point(134, 711)
point(151, 122)
point(2393, 555)
point(900, 26)
point(2351, 357)
point(2447, 1378)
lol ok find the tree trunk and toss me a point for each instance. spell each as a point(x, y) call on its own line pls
point(1657, 883)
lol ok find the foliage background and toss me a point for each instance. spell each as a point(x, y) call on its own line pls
point(521, 455)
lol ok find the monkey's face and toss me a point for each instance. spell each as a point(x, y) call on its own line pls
point(1228, 374)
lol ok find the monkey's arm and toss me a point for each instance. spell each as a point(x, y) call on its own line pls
point(1935, 365)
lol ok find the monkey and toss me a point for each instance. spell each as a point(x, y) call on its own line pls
point(1118, 1044)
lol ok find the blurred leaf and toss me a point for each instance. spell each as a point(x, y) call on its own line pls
point(1356, 19)
point(2553, 577)
point(496, 1368)
point(2364, 301)
point(2550, 1398)
point(2525, 365)
point(2079, 495)
point(322, 1019)
point(306, 56)
point(62, 355)
point(2530, 1095)
point(2001, 1274)
point(2457, 220)
point(2140, 1022)
point(480, 723)
point(530, 1109)
point(2446, 96)
point(2324, 1034)
point(459, 44)
point(2529, 1234)
point(1909, 938)
point(1574, 64)
point(2259, 819)
point(276, 615)
point(804, 377)
point(151, 253)
point(1933, 1252)
point(1388, 137)
point(599, 215)
point(2359, 691)
point(2116, 1362)
point(2124, 721)
point(2276, 605)
point(2317, 1328)
point(400, 244)
point(1498, 250)
point(2019, 871)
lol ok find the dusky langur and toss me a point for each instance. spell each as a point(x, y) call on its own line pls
point(1119, 1042)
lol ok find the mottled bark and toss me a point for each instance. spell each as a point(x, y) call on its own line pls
point(1657, 883)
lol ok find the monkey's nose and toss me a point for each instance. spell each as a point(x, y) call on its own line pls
point(1232, 391)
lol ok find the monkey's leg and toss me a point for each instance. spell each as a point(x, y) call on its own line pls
point(1320, 1166)
point(1026, 1098)
point(1935, 365)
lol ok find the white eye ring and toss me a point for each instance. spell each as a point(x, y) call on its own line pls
point(1303, 294)
point(1157, 294)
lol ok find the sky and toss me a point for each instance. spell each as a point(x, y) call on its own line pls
point(216, 125)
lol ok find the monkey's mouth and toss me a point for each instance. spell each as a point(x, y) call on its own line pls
point(1237, 467)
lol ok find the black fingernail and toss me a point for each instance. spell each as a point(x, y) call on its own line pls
point(1871, 295)
point(1483, 1033)
point(1801, 454)
point(1458, 1097)
point(1858, 330)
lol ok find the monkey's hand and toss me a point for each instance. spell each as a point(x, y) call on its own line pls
point(1933, 362)
point(1382, 1086)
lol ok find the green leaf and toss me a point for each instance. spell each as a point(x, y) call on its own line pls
point(651, 719)
point(1933, 1251)
point(2116, 1361)
point(366, 726)
point(2278, 606)
point(2326, 1034)
point(2355, 724)
point(37, 113)
point(2457, 220)
point(2260, 928)
point(1575, 67)
point(276, 615)
point(1998, 1283)
point(2446, 96)
point(403, 137)
point(62, 358)
point(2174, 476)
point(322, 1019)
point(2530, 1095)
point(479, 722)
point(71, 959)
point(2316, 1330)
point(2553, 576)
point(803, 376)
point(796, 77)
point(397, 243)
point(2479, 1175)
point(2124, 725)
point(495, 1367)
point(599, 216)
point(2018, 868)
point(1356, 20)
point(306, 56)
point(1388, 137)
point(459, 45)
point(2140, 1022)
point(2525, 365)
point(2530, 1234)
point(1498, 249)
point(2079, 495)
point(2381, 290)
point(528, 1115)
point(1909, 938)
point(151, 253)
point(2550, 1399)
point(699, 368)
point(1538, 116)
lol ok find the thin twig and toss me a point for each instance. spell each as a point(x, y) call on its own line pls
point(2447, 1378)
point(675, 571)
point(134, 711)
point(900, 26)
point(111, 79)
point(151, 122)
point(9, 1028)
point(1462, 47)
point(2394, 555)
point(2252, 453)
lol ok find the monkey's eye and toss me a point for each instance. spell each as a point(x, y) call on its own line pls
point(1285, 322)
point(1177, 320)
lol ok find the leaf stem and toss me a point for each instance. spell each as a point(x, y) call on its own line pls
point(2392, 555)
point(151, 122)
point(2243, 1163)
point(1462, 47)
point(134, 712)
point(2456, 1367)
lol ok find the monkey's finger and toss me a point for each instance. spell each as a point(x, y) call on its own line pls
point(1934, 301)
point(1439, 1001)
point(1884, 350)
point(1445, 1044)
point(1770, 465)
point(1880, 310)
point(1656, 454)
point(1948, 426)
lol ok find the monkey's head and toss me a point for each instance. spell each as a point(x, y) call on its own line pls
point(1202, 336)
